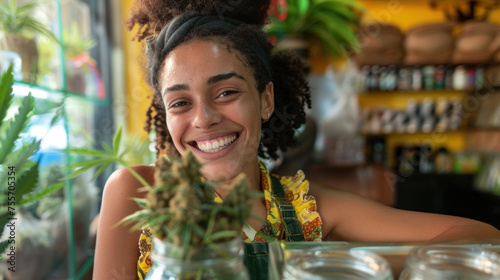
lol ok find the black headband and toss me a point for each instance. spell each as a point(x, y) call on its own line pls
point(173, 33)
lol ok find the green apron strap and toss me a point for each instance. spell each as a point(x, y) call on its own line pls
point(256, 259)
point(292, 225)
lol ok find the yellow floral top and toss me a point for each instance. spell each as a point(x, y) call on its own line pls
point(296, 190)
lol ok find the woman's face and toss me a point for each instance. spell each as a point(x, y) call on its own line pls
point(213, 108)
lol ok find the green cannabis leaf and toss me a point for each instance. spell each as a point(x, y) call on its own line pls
point(17, 159)
point(103, 159)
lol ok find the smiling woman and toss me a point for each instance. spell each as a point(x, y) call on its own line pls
point(221, 93)
point(215, 110)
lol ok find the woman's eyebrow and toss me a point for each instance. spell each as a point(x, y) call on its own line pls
point(210, 81)
point(223, 76)
point(176, 88)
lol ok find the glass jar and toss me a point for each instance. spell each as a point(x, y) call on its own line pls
point(451, 262)
point(327, 263)
point(221, 261)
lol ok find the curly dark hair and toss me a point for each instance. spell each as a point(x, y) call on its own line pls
point(287, 72)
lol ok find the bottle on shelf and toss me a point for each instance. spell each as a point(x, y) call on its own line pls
point(479, 77)
point(427, 108)
point(439, 76)
point(442, 123)
point(413, 124)
point(428, 124)
point(386, 121)
point(471, 78)
point(448, 77)
point(407, 158)
point(374, 78)
point(428, 73)
point(404, 79)
point(391, 79)
point(378, 152)
point(459, 78)
point(443, 162)
point(416, 78)
point(427, 115)
point(426, 164)
point(382, 82)
point(364, 78)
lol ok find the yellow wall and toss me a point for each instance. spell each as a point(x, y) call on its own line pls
point(404, 14)
point(408, 13)
point(138, 92)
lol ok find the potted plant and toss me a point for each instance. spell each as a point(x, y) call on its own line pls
point(333, 24)
point(78, 61)
point(17, 30)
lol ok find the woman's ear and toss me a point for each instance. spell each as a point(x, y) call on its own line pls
point(267, 102)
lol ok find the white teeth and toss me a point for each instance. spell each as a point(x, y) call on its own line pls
point(215, 146)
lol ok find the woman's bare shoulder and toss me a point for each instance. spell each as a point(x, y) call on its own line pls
point(116, 246)
point(123, 182)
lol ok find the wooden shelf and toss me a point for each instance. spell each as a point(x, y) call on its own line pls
point(418, 133)
point(416, 92)
point(484, 140)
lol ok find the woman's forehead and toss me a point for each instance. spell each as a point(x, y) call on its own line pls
point(203, 58)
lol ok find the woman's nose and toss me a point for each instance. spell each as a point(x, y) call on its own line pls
point(206, 115)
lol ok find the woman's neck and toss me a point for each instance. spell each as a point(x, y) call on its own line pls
point(253, 177)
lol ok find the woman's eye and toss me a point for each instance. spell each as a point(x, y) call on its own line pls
point(178, 104)
point(227, 93)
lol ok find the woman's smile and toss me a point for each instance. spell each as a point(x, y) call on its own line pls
point(216, 144)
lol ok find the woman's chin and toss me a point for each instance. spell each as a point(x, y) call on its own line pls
point(220, 172)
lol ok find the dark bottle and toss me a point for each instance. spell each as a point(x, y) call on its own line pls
point(439, 77)
point(471, 78)
point(428, 72)
point(443, 162)
point(406, 159)
point(426, 164)
point(479, 79)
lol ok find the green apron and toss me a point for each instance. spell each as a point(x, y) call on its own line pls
point(256, 257)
